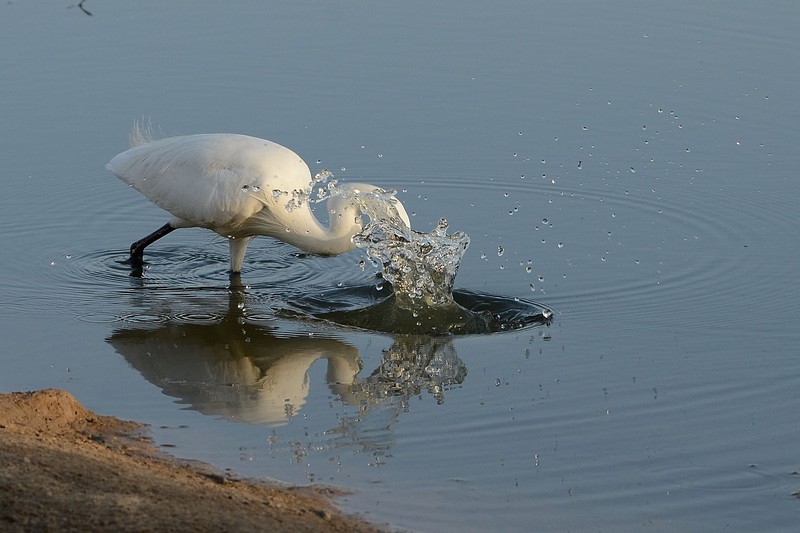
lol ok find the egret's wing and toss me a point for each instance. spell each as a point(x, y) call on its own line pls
point(215, 181)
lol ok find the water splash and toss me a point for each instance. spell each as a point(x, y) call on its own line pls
point(421, 266)
point(421, 269)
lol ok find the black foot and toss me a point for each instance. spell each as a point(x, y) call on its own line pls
point(136, 263)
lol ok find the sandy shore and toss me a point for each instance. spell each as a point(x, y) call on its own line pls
point(64, 468)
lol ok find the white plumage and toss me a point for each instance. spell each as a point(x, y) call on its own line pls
point(239, 187)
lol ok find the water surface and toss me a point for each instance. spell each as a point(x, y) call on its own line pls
point(630, 167)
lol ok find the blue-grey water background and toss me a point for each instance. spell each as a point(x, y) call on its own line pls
point(631, 165)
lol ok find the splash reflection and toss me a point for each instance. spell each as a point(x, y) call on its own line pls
point(412, 365)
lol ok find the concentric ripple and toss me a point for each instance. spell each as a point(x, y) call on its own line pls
point(634, 249)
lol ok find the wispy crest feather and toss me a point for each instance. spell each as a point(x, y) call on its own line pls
point(141, 133)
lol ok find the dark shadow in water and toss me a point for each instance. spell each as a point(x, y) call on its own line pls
point(226, 364)
point(376, 308)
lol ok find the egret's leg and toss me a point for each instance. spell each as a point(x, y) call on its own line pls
point(137, 248)
point(238, 248)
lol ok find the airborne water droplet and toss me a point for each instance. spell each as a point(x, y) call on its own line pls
point(500, 251)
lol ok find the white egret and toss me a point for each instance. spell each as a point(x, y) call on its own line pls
point(239, 187)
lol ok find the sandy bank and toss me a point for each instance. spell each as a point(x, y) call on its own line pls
point(64, 468)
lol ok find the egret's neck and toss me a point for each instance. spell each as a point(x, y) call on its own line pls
point(301, 228)
point(344, 221)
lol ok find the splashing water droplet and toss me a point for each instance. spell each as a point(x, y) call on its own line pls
point(420, 266)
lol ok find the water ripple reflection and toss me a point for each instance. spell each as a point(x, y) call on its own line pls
point(223, 363)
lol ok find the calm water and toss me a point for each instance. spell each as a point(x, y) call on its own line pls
point(631, 167)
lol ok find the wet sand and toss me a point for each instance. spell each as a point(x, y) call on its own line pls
point(64, 468)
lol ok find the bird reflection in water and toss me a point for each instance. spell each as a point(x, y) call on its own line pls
point(232, 366)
